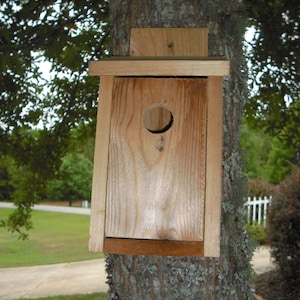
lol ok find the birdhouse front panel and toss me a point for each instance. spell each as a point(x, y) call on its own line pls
point(157, 159)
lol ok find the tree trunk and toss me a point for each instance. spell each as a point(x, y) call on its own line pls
point(154, 277)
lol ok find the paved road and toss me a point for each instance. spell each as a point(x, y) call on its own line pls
point(62, 209)
point(61, 279)
point(75, 278)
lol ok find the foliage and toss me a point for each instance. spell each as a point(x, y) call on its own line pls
point(257, 232)
point(272, 285)
point(74, 178)
point(66, 35)
point(279, 161)
point(260, 188)
point(284, 227)
point(274, 72)
point(257, 145)
point(82, 141)
point(267, 158)
point(74, 181)
point(94, 296)
point(6, 187)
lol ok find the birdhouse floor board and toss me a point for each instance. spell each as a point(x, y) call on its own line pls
point(153, 247)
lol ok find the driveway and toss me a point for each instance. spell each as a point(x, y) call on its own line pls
point(62, 209)
point(60, 279)
point(78, 277)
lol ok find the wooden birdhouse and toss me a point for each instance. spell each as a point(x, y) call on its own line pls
point(158, 153)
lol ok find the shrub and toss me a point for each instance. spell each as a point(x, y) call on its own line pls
point(260, 188)
point(75, 179)
point(284, 227)
point(257, 233)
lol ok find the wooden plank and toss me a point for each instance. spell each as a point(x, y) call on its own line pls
point(161, 67)
point(159, 58)
point(97, 220)
point(213, 168)
point(169, 42)
point(152, 247)
point(156, 182)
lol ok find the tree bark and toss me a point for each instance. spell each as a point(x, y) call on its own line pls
point(154, 277)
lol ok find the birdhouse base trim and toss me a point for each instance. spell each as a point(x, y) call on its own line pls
point(153, 247)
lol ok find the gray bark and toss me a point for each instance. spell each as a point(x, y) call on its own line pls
point(153, 277)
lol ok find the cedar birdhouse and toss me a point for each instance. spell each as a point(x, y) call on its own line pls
point(158, 152)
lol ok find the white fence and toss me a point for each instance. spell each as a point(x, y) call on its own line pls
point(258, 209)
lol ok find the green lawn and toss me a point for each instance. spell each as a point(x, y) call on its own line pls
point(95, 296)
point(55, 238)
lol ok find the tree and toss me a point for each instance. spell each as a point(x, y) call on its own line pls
point(74, 181)
point(266, 157)
point(74, 178)
point(66, 34)
point(142, 277)
point(279, 162)
point(6, 187)
point(257, 145)
point(275, 57)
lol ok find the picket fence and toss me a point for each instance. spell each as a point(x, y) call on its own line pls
point(258, 209)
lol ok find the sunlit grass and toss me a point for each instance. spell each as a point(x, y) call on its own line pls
point(55, 238)
point(94, 296)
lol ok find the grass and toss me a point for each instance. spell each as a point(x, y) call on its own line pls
point(55, 238)
point(94, 296)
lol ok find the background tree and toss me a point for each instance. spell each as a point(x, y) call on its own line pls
point(275, 63)
point(67, 34)
point(74, 180)
point(280, 161)
point(6, 187)
point(256, 146)
point(266, 158)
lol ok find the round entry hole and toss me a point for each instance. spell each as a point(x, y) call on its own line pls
point(158, 119)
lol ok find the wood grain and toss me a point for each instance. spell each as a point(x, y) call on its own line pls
point(169, 42)
point(156, 182)
point(159, 67)
point(97, 219)
point(165, 186)
point(213, 167)
point(152, 247)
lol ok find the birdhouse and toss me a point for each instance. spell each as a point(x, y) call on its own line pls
point(158, 153)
